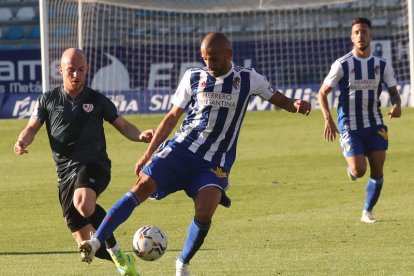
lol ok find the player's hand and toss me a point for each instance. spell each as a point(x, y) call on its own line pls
point(141, 163)
point(330, 130)
point(395, 111)
point(146, 136)
point(20, 148)
point(302, 107)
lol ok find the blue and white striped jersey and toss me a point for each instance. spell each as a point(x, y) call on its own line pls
point(360, 84)
point(216, 109)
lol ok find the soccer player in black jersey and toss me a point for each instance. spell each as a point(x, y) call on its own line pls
point(74, 116)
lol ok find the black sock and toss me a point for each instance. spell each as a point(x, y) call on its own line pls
point(102, 253)
point(96, 220)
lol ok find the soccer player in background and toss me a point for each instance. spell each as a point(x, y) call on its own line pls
point(199, 157)
point(74, 117)
point(360, 76)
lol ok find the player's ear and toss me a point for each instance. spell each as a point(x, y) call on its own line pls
point(230, 53)
point(60, 69)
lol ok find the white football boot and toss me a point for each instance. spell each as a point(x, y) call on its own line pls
point(367, 217)
point(181, 269)
point(88, 249)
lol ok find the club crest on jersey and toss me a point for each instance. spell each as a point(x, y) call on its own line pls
point(203, 84)
point(236, 82)
point(87, 107)
point(59, 108)
point(219, 172)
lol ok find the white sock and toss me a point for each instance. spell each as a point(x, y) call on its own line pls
point(114, 249)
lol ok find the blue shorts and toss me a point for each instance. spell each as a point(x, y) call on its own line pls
point(176, 169)
point(364, 141)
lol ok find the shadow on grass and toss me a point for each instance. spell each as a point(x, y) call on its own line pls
point(62, 252)
point(38, 253)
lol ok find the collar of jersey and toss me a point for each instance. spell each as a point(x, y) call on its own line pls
point(225, 75)
point(355, 56)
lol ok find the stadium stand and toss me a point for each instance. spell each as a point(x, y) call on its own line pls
point(379, 22)
point(256, 27)
point(232, 25)
point(34, 32)
point(5, 14)
point(186, 30)
point(26, 13)
point(19, 24)
point(386, 3)
point(362, 5)
point(284, 29)
point(14, 33)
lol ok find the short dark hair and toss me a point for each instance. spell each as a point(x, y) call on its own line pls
point(362, 20)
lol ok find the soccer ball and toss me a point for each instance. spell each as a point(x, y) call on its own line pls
point(149, 243)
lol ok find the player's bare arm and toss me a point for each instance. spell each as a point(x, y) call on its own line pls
point(330, 129)
point(291, 105)
point(395, 99)
point(132, 132)
point(27, 136)
point(161, 134)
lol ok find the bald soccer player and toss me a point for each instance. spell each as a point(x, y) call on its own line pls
point(199, 157)
point(74, 116)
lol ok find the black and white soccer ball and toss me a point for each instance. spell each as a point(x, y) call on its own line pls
point(149, 243)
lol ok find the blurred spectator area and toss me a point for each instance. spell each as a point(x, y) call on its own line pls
point(19, 24)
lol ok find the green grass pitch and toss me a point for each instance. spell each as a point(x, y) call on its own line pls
point(294, 211)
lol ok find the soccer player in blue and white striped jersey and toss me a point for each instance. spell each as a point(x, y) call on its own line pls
point(198, 159)
point(360, 77)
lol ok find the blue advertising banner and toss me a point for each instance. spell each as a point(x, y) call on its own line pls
point(139, 86)
point(124, 68)
point(20, 71)
point(21, 105)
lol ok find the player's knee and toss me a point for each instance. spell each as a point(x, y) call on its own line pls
point(359, 171)
point(145, 187)
point(86, 209)
point(203, 217)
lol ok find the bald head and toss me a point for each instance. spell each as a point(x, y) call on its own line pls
point(73, 68)
point(71, 54)
point(217, 53)
point(215, 40)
